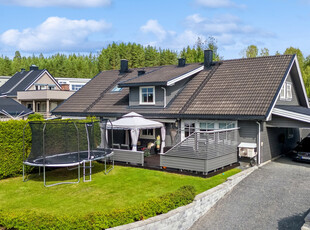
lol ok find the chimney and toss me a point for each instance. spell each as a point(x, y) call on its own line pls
point(34, 67)
point(124, 66)
point(22, 70)
point(208, 57)
point(141, 72)
point(182, 62)
point(65, 87)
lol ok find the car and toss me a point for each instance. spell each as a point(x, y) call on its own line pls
point(302, 151)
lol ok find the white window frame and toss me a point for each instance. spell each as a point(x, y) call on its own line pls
point(283, 92)
point(140, 95)
point(289, 93)
point(147, 136)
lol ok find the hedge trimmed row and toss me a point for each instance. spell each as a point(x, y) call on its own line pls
point(98, 220)
point(11, 147)
point(11, 144)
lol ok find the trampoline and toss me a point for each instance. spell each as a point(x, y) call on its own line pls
point(69, 143)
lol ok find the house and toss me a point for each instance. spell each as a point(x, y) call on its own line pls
point(4, 79)
point(36, 89)
point(74, 84)
point(9, 108)
point(264, 97)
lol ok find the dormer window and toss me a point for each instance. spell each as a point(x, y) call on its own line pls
point(147, 95)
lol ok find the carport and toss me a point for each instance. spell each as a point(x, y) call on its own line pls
point(289, 124)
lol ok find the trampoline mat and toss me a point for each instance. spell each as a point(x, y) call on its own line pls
point(69, 159)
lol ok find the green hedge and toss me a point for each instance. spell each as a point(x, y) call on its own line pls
point(98, 220)
point(11, 147)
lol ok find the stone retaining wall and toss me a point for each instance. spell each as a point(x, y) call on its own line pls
point(184, 217)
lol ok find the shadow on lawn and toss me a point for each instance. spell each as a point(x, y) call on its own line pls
point(64, 174)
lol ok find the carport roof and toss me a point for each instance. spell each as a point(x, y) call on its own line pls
point(293, 112)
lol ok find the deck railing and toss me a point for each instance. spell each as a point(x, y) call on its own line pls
point(215, 142)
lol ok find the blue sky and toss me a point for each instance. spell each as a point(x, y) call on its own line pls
point(83, 26)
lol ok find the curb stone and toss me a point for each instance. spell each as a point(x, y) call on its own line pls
point(184, 217)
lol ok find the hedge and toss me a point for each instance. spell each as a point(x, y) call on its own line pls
point(11, 147)
point(98, 220)
point(11, 144)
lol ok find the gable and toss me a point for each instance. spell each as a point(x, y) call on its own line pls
point(44, 79)
point(293, 75)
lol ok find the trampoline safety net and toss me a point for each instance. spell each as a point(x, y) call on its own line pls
point(59, 143)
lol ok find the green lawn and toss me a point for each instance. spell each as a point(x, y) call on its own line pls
point(122, 187)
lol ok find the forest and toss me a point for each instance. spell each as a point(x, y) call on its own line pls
point(88, 66)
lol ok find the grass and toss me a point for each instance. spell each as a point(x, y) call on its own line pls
point(122, 187)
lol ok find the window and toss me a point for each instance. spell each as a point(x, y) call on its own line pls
point(286, 92)
point(222, 125)
point(116, 89)
point(189, 128)
point(51, 87)
point(289, 91)
point(147, 95)
point(204, 126)
point(76, 87)
point(147, 133)
point(282, 93)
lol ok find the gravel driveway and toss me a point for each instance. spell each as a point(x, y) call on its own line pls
point(275, 196)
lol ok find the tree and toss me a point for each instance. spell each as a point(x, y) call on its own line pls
point(264, 52)
point(251, 51)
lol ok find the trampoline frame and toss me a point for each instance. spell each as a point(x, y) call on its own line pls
point(78, 163)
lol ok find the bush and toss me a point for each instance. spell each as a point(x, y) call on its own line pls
point(11, 147)
point(98, 220)
point(35, 117)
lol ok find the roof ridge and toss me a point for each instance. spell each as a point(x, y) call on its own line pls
point(259, 57)
point(198, 90)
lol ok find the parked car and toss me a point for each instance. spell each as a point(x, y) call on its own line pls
point(302, 151)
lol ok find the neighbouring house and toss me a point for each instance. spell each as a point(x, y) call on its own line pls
point(36, 89)
point(264, 97)
point(4, 79)
point(11, 109)
point(73, 84)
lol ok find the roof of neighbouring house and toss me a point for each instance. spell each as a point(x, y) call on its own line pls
point(20, 81)
point(231, 88)
point(12, 107)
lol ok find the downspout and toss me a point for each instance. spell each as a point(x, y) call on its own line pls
point(165, 96)
point(258, 146)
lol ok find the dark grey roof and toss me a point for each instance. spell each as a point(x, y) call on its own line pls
point(160, 75)
point(12, 107)
point(295, 109)
point(19, 82)
point(240, 88)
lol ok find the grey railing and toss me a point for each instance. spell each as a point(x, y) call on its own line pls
point(215, 142)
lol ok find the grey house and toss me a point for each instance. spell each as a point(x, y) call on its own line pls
point(265, 97)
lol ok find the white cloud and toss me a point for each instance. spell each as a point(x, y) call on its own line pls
point(228, 30)
point(217, 25)
point(55, 34)
point(58, 3)
point(218, 4)
point(153, 27)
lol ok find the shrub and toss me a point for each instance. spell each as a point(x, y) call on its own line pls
point(98, 220)
point(11, 147)
point(35, 117)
